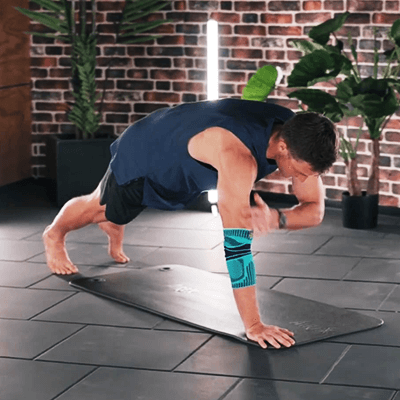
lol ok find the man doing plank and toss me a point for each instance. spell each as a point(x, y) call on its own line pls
point(168, 158)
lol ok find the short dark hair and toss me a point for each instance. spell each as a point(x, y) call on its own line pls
point(313, 138)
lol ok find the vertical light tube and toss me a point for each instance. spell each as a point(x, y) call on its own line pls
point(212, 60)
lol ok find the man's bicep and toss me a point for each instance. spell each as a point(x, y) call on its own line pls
point(235, 182)
point(309, 191)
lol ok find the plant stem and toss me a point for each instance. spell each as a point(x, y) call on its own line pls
point(373, 181)
point(352, 178)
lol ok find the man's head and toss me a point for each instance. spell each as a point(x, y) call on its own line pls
point(305, 145)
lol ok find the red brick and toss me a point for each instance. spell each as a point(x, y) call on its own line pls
point(284, 5)
point(225, 17)
point(389, 201)
point(382, 18)
point(396, 188)
point(393, 124)
point(192, 87)
point(51, 84)
point(294, 55)
point(359, 19)
point(117, 107)
point(189, 17)
point(357, 5)
point(234, 41)
point(285, 30)
point(48, 128)
point(389, 175)
point(203, 5)
point(276, 18)
point(51, 106)
point(328, 180)
point(110, 5)
point(195, 51)
point(392, 5)
point(246, 53)
point(38, 73)
point(137, 73)
point(60, 73)
point(307, 18)
point(250, 6)
point(312, 5)
point(334, 5)
point(161, 97)
point(183, 62)
point(232, 76)
point(61, 117)
point(274, 54)
point(392, 136)
point(250, 30)
point(180, 5)
point(43, 61)
point(390, 148)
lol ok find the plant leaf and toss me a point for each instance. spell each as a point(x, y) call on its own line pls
point(320, 102)
point(261, 84)
point(318, 66)
point(395, 32)
point(321, 33)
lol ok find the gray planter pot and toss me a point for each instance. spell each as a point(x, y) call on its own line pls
point(76, 166)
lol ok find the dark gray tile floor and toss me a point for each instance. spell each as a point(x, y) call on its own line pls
point(57, 343)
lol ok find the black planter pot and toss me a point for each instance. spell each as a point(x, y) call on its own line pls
point(360, 212)
point(76, 166)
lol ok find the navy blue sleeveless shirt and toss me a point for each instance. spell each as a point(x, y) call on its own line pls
point(156, 147)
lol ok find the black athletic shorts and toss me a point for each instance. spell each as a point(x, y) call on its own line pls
point(123, 203)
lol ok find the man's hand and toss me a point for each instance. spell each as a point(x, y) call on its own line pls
point(264, 219)
point(272, 334)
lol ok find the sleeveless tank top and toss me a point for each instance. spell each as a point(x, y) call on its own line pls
point(156, 147)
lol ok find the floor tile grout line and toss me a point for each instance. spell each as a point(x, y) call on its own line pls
point(193, 352)
point(322, 245)
point(387, 297)
point(394, 395)
point(59, 342)
point(77, 382)
point(231, 389)
point(54, 304)
point(352, 269)
point(345, 351)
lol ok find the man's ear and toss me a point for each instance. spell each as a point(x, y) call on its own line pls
point(282, 146)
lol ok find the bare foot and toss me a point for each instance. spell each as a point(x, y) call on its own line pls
point(56, 254)
point(115, 235)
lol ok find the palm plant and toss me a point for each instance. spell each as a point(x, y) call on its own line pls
point(371, 98)
point(61, 17)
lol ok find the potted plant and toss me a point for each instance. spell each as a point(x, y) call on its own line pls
point(372, 98)
point(73, 23)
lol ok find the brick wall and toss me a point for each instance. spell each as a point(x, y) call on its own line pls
point(172, 70)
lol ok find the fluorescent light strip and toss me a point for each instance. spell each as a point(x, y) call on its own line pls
point(212, 60)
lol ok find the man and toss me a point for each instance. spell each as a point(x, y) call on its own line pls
point(167, 159)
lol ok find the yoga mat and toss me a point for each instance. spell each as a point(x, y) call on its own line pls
point(205, 300)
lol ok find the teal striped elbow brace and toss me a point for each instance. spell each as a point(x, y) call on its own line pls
point(237, 246)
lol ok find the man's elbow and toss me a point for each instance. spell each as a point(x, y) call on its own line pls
point(318, 214)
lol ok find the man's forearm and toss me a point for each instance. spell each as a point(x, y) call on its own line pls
point(304, 215)
point(246, 301)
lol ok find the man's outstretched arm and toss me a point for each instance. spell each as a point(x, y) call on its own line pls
point(237, 171)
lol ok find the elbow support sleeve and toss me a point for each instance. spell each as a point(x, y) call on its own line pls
point(237, 246)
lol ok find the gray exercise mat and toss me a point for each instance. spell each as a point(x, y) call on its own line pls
point(205, 300)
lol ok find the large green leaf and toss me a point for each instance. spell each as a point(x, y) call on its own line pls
point(374, 126)
point(318, 66)
point(321, 33)
point(261, 84)
point(320, 102)
point(306, 46)
point(395, 32)
point(51, 5)
point(345, 89)
point(375, 106)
